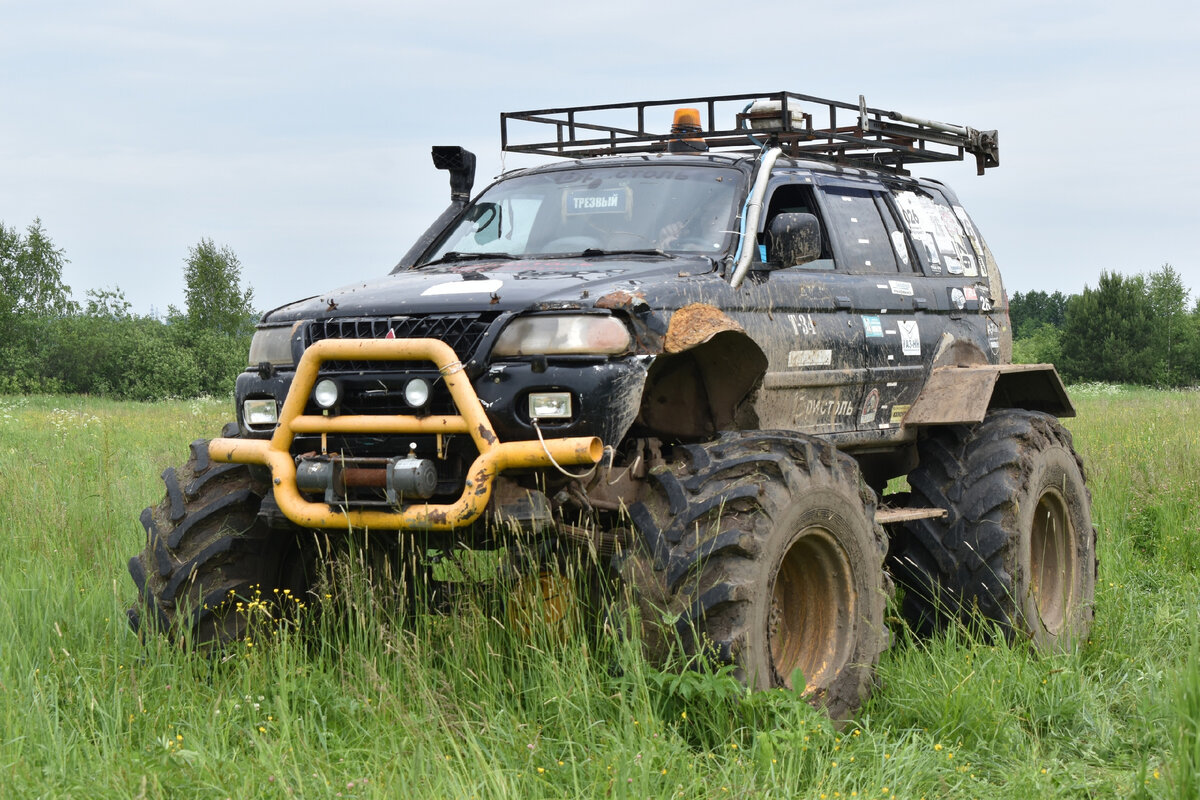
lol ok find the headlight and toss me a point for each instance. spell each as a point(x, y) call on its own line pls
point(273, 345)
point(563, 335)
point(260, 412)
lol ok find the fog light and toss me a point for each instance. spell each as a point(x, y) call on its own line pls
point(260, 412)
point(327, 393)
point(416, 392)
point(550, 405)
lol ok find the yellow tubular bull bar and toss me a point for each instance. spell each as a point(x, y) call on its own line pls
point(494, 456)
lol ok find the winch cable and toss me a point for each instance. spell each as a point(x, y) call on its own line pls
point(612, 454)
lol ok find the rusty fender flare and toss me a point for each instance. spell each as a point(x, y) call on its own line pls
point(728, 363)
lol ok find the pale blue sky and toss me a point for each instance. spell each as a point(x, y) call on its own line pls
point(298, 133)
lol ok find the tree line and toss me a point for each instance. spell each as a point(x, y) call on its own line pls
point(1129, 329)
point(1134, 329)
point(51, 343)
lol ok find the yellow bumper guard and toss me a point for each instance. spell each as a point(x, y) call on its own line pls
point(494, 456)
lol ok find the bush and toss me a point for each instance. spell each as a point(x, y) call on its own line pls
point(132, 358)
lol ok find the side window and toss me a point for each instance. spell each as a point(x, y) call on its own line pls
point(863, 241)
point(943, 245)
point(905, 258)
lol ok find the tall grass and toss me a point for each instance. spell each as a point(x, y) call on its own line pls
point(366, 699)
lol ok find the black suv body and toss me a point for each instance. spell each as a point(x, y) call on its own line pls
point(706, 352)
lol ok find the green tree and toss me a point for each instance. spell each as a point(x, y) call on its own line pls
point(31, 274)
point(1030, 311)
point(1108, 334)
point(1042, 345)
point(215, 299)
point(108, 304)
point(1174, 330)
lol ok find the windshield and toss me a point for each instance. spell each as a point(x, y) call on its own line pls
point(653, 208)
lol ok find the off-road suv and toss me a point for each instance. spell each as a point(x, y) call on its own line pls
point(699, 352)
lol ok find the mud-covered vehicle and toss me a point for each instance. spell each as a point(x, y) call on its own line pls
point(700, 353)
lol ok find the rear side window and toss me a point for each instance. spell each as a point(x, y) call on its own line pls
point(943, 245)
point(862, 241)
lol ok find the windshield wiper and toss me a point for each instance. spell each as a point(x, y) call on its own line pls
point(455, 255)
point(596, 251)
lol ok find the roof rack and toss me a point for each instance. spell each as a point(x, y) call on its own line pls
point(864, 136)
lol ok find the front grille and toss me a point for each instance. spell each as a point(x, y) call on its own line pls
point(462, 332)
point(376, 387)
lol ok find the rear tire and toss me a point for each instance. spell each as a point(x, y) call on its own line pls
point(212, 567)
point(762, 549)
point(1018, 547)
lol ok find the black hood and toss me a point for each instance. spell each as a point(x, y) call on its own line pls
point(494, 286)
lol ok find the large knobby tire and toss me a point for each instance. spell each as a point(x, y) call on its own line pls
point(1017, 547)
point(763, 550)
point(212, 567)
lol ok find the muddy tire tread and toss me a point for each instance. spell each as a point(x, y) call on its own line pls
point(204, 546)
point(956, 565)
point(700, 551)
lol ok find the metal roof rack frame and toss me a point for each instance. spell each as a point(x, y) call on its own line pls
point(866, 137)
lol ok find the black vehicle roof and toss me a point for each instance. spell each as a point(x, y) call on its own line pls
point(745, 163)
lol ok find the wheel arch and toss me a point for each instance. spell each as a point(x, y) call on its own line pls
point(699, 385)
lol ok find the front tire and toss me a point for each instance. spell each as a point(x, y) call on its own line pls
point(762, 548)
point(1018, 547)
point(212, 567)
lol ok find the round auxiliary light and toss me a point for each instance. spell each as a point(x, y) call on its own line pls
point(327, 393)
point(416, 392)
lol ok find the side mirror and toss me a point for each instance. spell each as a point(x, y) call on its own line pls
point(794, 239)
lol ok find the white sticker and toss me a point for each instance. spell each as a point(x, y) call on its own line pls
point(802, 324)
point(910, 337)
point(810, 358)
point(869, 407)
point(900, 247)
point(464, 287)
point(901, 287)
point(973, 236)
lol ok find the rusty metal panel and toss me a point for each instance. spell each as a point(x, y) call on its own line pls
point(954, 395)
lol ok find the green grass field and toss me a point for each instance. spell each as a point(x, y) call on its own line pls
point(368, 705)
